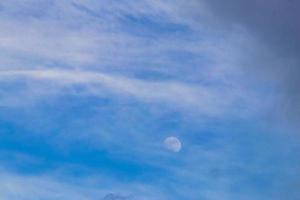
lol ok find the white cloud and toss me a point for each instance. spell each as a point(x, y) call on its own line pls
point(14, 186)
point(203, 99)
point(92, 44)
point(91, 36)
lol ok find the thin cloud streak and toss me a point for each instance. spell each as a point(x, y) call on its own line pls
point(14, 186)
point(206, 100)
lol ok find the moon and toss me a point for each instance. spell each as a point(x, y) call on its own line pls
point(173, 144)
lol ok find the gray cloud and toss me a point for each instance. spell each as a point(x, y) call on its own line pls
point(275, 56)
point(112, 196)
point(274, 22)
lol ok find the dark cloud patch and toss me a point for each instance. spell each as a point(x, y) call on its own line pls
point(275, 24)
point(112, 196)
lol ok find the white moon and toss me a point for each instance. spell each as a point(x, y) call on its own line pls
point(173, 144)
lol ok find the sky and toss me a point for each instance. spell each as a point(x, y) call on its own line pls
point(90, 91)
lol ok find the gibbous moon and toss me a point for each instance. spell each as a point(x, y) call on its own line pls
point(173, 144)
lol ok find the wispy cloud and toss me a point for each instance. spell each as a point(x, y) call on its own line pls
point(15, 186)
point(104, 40)
point(147, 69)
point(207, 100)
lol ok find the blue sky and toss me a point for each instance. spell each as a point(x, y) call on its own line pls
point(89, 90)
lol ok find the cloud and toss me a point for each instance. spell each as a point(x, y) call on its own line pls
point(20, 187)
point(211, 58)
point(16, 186)
point(274, 53)
point(81, 41)
point(204, 99)
point(94, 42)
point(115, 197)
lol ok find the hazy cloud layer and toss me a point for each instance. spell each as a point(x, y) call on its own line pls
point(94, 87)
point(275, 26)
